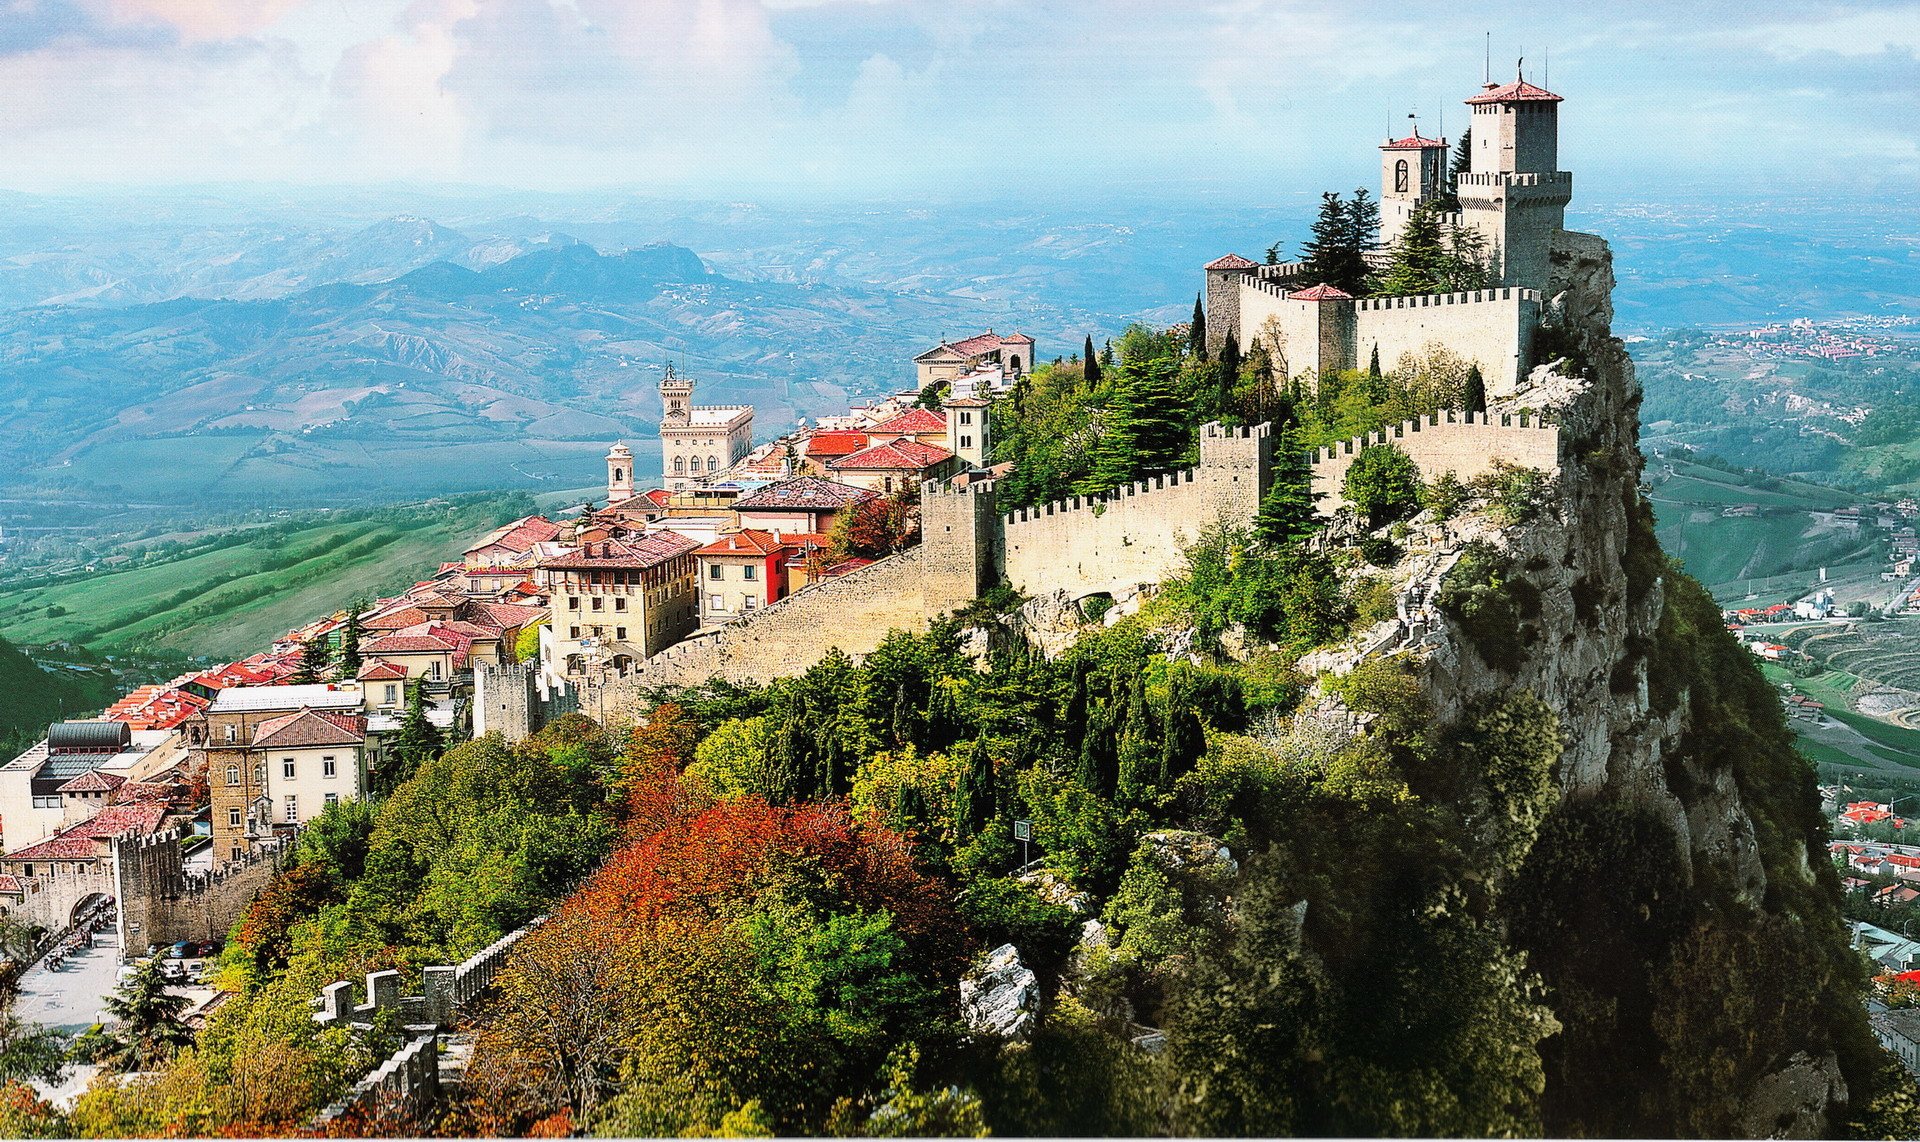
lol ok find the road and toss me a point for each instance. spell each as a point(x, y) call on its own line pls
point(68, 998)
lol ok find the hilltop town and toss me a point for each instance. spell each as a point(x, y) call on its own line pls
point(785, 708)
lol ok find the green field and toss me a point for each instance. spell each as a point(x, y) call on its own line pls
point(235, 600)
point(1856, 741)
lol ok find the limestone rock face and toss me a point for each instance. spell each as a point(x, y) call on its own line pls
point(1000, 996)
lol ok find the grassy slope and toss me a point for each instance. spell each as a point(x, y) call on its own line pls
point(1724, 553)
point(227, 602)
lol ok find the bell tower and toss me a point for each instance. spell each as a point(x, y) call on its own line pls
point(619, 474)
point(1413, 170)
point(676, 398)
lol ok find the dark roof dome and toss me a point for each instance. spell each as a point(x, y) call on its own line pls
point(91, 737)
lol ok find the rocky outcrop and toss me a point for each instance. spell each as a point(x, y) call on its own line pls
point(1000, 996)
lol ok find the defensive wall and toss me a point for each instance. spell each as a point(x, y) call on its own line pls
point(1137, 534)
point(515, 701)
point(1492, 328)
point(1464, 443)
point(159, 901)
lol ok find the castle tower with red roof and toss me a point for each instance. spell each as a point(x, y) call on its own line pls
point(1514, 194)
point(1413, 170)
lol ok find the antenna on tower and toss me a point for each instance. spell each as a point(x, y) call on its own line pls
point(1546, 68)
point(1486, 74)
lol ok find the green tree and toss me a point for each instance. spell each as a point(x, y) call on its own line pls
point(1373, 362)
point(1287, 513)
point(147, 1027)
point(1383, 484)
point(974, 806)
point(1144, 430)
point(1197, 333)
point(1461, 164)
point(1324, 257)
point(1475, 397)
point(1362, 237)
point(1090, 364)
point(314, 662)
point(1421, 263)
point(350, 640)
point(418, 741)
point(29, 1051)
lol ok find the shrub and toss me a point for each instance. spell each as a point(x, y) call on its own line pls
point(1383, 484)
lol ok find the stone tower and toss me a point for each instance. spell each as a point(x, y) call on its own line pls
point(676, 398)
point(967, 435)
point(1514, 195)
point(1413, 170)
point(619, 474)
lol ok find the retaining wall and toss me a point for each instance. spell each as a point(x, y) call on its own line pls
point(1493, 328)
point(1466, 444)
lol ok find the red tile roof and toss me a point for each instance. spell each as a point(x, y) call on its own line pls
point(310, 727)
point(979, 343)
point(1229, 262)
point(396, 620)
point(901, 455)
point(803, 493)
point(1413, 142)
point(1519, 91)
point(910, 423)
point(650, 550)
point(827, 445)
point(520, 535)
point(374, 670)
point(76, 843)
point(747, 541)
point(10, 884)
point(93, 781)
point(1017, 339)
point(1321, 292)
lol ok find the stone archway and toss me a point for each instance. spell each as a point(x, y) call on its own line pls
point(87, 904)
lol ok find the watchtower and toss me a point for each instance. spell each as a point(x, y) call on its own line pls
point(967, 437)
point(1514, 195)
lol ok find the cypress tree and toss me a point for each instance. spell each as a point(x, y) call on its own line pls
point(1373, 363)
point(1099, 769)
point(1229, 361)
point(791, 757)
point(350, 642)
point(974, 804)
point(1475, 399)
point(943, 717)
point(1197, 335)
point(1092, 364)
point(1185, 739)
point(1074, 721)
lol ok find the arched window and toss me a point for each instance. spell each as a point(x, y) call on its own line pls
point(618, 474)
point(1014, 362)
point(679, 464)
point(713, 463)
point(1400, 177)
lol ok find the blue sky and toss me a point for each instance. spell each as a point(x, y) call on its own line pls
point(887, 99)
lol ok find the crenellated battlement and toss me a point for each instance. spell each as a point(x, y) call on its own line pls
point(1508, 178)
point(1428, 300)
point(1466, 444)
point(1068, 504)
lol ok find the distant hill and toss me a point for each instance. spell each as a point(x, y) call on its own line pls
point(445, 378)
point(35, 698)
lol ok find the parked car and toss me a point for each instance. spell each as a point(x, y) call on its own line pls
point(181, 950)
point(208, 948)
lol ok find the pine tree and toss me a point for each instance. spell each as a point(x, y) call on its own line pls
point(148, 1018)
point(1286, 511)
point(1475, 398)
point(974, 803)
point(1324, 256)
point(350, 641)
point(1420, 262)
point(1197, 335)
point(1106, 354)
point(1092, 364)
point(1373, 364)
point(1273, 254)
point(1362, 237)
point(315, 662)
point(1461, 164)
point(418, 741)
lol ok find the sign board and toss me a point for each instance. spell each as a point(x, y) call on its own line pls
point(1023, 830)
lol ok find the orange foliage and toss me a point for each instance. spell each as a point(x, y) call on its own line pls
point(652, 794)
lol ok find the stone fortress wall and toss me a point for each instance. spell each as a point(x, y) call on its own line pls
point(1492, 328)
point(1466, 444)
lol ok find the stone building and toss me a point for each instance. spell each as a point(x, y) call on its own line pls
point(618, 602)
point(246, 739)
point(1511, 195)
point(695, 442)
point(1012, 353)
point(739, 572)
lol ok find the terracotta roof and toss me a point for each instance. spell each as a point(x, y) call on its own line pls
point(1519, 91)
point(1321, 292)
point(396, 620)
point(310, 727)
point(827, 445)
point(93, 781)
point(803, 493)
point(375, 670)
point(938, 351)
point(1413, 142)
point(76, 843)
point(969, 402)
point(511, 614)
point(520, 535)
point(911, 422)
point(650, 550)
point(1229, 262)
point(901, 455)
point(10, 883)
point(747, 541)
point(1017, 339)
point(978, 343)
